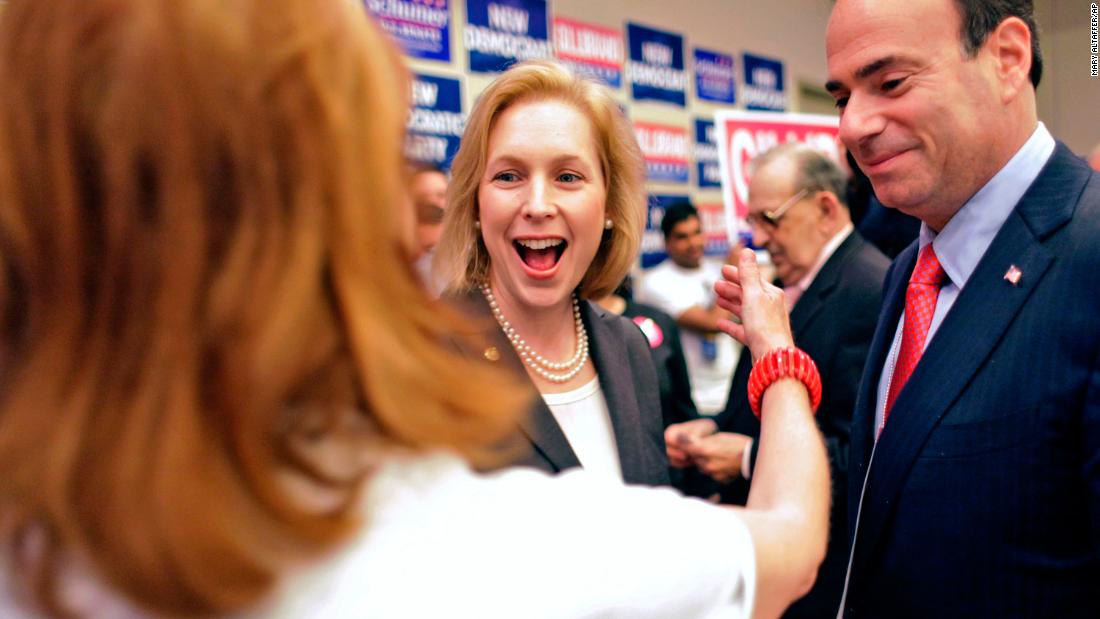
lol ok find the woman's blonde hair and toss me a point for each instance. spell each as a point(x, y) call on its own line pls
point(203, 251)
point(461, 257)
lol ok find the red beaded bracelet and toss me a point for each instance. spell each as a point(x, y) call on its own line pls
point(780, 363)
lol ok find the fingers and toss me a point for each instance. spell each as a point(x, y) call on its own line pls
point(747, 269)
point(733, 330)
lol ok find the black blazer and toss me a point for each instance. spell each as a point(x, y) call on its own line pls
point(628, 379)
point(833, 321)
point(982, 497)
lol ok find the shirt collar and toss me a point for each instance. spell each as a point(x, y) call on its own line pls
point(827, 252)
point(966, 237)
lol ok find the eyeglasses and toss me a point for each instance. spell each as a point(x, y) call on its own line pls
point(770, 219)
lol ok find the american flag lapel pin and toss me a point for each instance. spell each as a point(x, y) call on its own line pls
point(1013, 275)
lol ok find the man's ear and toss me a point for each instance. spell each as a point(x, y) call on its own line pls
point(829, 205)
point(1009, 48)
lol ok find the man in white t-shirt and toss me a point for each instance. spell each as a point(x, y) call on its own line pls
point(683, 286)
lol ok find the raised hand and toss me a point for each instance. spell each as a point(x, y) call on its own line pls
point(759, 306)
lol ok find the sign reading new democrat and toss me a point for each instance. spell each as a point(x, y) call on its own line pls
point(665, 148)
point(707, 170)
point(590, 50)
point(744, 135)
point(436, 122)
point(764, 85)
point(714, 76)
point(420, 27)
point(500, 33)
point(656, 68)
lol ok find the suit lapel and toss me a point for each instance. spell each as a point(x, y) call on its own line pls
point(811, 301)
point(607, 345)
point(976, 323)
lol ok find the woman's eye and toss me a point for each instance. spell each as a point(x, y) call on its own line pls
point(569, 177)
point(506, 177)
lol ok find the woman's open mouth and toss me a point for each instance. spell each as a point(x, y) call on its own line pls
point(540, 254)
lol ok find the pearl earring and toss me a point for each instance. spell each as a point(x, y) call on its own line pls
point(608, 224)
point(477, 225)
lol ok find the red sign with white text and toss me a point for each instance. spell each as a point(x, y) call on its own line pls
point(741, 136)
point(665, 148)
point(589, 49)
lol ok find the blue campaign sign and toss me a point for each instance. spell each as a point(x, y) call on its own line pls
point(764, 85)
point(653, 241)
point(708, 171)
point(420, 27)
point(436, 120)
point(714, 76)
point(656, 66)
point(500, 33)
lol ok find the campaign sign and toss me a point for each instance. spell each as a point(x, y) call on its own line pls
point(593, 51)
point(707, 171)
point(716, 237)
point(500, 33)
point(764, 86)
point(436, 122)
point(665, 149)
point(653, 241)
point(656, 68)
point(744, 135)
point(714, 77)
point(420, 27)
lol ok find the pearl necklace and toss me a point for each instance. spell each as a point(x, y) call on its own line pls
point(550, 370)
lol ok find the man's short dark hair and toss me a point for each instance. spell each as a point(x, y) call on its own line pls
point(981, 17)
point(679, 211)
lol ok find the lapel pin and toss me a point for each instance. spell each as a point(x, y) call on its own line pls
point(492, 354)
point(1013, 275)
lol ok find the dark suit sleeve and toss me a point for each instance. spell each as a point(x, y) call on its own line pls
point(1091, 422)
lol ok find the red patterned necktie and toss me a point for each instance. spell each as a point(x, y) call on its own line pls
point(920, 304)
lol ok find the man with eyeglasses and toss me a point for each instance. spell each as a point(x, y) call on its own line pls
point(833, 282)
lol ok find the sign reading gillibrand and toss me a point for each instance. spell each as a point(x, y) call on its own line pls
point(590, 50)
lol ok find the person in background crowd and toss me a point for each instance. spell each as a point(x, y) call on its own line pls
point(663, 335)
point(224, 396)
point(428, 190)
point(545, 213)
point(981, 396)
point(683, 287)
point(833, 283)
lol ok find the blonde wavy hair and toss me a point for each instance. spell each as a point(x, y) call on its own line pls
point(461, 257)
point(204, 292)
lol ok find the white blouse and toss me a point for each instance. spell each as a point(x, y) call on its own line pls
point(584, 419)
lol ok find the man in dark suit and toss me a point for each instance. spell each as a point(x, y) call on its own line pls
point(975, 459)
point(833, 282)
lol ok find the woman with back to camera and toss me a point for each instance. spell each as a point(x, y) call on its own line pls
point(223, 391)
point(546, 212)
